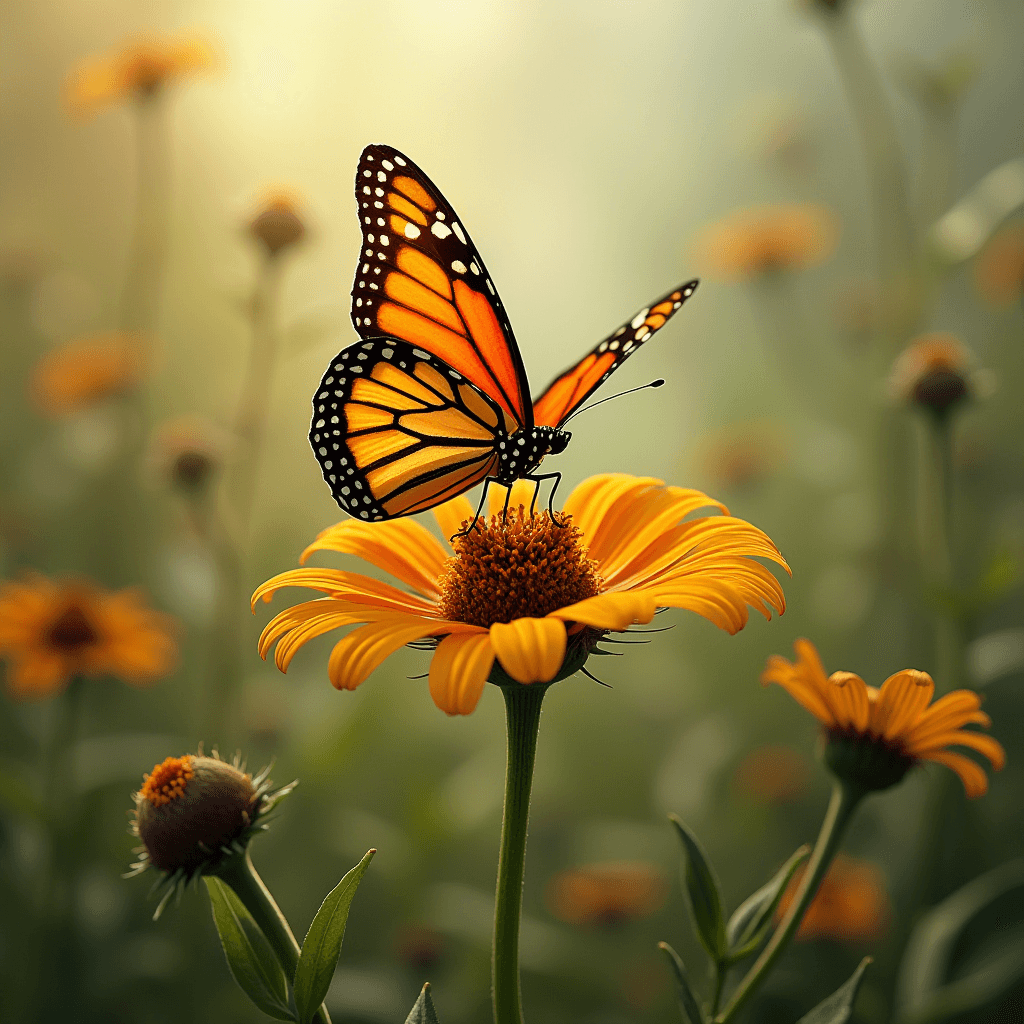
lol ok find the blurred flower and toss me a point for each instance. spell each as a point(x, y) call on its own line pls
point(419, 947)
point(277, 224)
point(139, 69)
point(751, 243)
point(936, 372)
point(86, 371)
point(999, 267)
point(851, 904)
point(525, 599)
point(51, 632)
point(188, 452)
point(874, 736)
point(602, 895)
point(772, 774)
point(193, 812)
point(741, 454)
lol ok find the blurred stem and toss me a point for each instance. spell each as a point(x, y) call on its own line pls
point(845, 799)
point(522, 715)
point(940, 123)
point(240, 873)
point(885, 164)
point(720, 972)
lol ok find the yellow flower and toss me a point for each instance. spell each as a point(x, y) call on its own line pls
point(86, 371)
point(751, 243)
point(138, 69)
point(607, 894)
point(51, 632)
point(937, 372)
point(525, 599)
point(999, 268)
point(277, 224)
point(874, 736)
point(851, 904)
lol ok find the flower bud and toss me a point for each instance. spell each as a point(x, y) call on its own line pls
point(277, 224)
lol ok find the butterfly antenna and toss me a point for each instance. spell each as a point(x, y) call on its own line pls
point(643, 387)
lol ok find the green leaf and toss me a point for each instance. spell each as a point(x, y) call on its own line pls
point(967, 953)
point(322, 947)
point(423, 1012)
point(702, 895)
point(688, 1005)
point(749, 925)
point(838, 1008)
point(250, 958)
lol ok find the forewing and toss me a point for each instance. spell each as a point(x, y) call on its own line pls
point(421, 279)
point(570, 390)
point(397, 431)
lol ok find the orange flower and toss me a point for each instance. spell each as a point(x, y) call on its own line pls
point(86, 371)
point(138, 69)
point(51, 632)
point(851, 904)
point(936, 372)
point(751, 243)
point(876, 735)
point(525, 599)
point(607, 894)
point(277, 224)
point(772, 774)
point(999, 268)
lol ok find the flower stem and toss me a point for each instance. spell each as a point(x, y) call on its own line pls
point(522, 712)
point(845, 799)
point(240, 874)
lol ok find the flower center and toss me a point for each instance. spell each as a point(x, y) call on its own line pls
point(72, 631)
point(166, 782)
point(516, 566)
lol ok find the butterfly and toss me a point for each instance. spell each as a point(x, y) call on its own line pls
point(435, 398)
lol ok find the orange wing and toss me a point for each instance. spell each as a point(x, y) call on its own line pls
point(421, 279)
point(398, 431)
point(567, 392)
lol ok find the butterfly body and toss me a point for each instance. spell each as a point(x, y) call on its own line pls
point(435, 397)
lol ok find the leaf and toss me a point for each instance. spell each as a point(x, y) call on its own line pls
point(702, 895)
point(423, 1012)
point(250, 958)
point(838, 1008)
point(749, 925)
point(967, 953)
point(688, 1005)
point(322, 946)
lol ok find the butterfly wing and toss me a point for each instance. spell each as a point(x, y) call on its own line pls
point(421, 279)
point(397, 431)
point(570, 390)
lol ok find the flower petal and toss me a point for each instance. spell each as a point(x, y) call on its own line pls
point(949, 712)
point(459, 670)
point(971, 774)
point(992, 749)
point(402, 547)
point(602, 500)
point(530, 650)
point(901, 700)
point(301, 623)
point(350, 585)
point(803, 680)
point(714, 600)
point(452, 514)
point(847, 695)
point(614, 611)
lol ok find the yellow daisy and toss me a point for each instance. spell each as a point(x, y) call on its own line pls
point(521, 598)
point(875, 736)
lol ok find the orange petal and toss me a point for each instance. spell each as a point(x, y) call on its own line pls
point(601, 501)
point(452, 514)
point(301, 623)
point(804, 680)
point(715, 601)
point(992, 749)
point(401, 547)
point(949, 712)
point(459, 670)
point(615, 611)
point(971, 774)
point(901, 700)
point(847, 694)
point(350, 585)
point(530, 650)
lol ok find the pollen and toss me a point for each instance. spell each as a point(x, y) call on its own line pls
point(166, 782)
point(514, 566)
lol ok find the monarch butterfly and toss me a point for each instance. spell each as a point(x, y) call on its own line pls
point(435, 397)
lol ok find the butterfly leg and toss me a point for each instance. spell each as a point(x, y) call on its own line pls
point(476, 515)
point(557, 477)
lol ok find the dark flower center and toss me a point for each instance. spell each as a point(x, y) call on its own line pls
point(941, 388)
point(72, 631)
point(865, 761)
point(192, 469)
point(516, 566)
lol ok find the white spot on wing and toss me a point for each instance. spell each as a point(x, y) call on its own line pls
point(439, 230)
point(411, 231)
point(387, 165)
point(458, 232)
point(458, 266)
point(639, 318)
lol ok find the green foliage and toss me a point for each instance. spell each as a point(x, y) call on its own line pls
point(967, 953)
point(250, 958)
point(702, 895)
point(322, 946)
point(838, 1008)
point(423, 1012)
point(689, 1007)
point(749, 925)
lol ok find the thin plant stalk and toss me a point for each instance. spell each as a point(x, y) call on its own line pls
point(843, 803)
point(522, 712)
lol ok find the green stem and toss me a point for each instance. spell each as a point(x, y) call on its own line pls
point(721, 970)
point(845, 799)
point(239, 873)
point(522, 712)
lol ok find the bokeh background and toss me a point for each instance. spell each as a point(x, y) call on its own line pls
point(591, 148)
